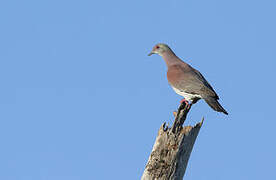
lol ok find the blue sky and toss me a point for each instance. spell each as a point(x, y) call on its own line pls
point(80, 99)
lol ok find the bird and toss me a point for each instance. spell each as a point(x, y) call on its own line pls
point(186, 80)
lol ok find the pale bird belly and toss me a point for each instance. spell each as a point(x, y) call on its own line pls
point(187, 96)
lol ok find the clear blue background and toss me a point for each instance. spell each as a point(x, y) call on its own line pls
point(80, 99)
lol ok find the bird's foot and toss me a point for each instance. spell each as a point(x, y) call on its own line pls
point(186, 102)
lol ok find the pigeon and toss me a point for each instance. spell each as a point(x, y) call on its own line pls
point(187, 81)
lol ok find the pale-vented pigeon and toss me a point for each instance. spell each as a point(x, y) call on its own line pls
point(187, 81)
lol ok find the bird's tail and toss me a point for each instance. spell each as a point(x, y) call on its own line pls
point(214, 104)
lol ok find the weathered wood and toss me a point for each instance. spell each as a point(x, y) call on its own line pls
point(172, 149)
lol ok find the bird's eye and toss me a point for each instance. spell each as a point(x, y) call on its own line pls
point(157, 47)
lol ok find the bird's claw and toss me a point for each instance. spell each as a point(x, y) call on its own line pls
point(186, 102)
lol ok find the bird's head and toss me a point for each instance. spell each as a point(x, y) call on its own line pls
point(159, 49)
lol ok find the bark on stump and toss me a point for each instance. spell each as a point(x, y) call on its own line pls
point(172, 149)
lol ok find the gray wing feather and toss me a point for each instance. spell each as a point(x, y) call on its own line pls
point(195, 83)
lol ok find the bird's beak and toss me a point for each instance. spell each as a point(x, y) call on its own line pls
point(151, 53)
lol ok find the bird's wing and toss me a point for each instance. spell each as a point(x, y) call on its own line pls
point(206, 83)
point(193, 82)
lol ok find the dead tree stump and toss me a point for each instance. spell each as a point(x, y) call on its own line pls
point(172, 149)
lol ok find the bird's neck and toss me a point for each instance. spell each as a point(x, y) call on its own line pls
point(170, 58)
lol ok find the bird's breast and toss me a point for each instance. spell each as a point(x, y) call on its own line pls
point(175, 74)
